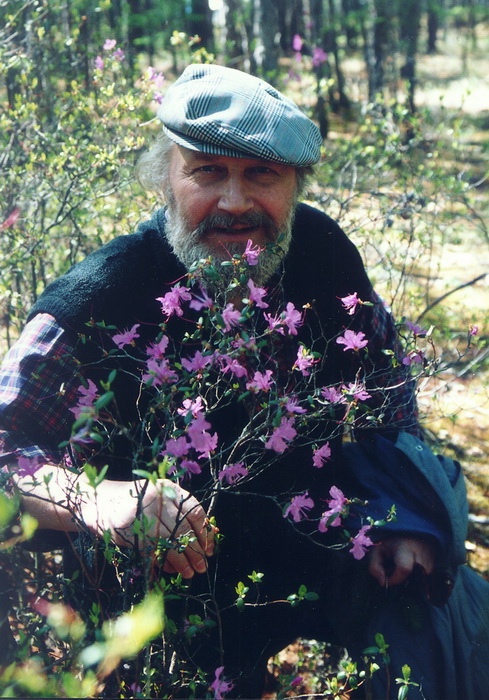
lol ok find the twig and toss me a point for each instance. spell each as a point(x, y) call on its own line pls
point(451, 291)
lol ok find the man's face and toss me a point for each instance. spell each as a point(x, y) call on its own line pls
point(217, 203)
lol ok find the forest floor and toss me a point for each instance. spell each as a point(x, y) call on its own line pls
point(455, 405)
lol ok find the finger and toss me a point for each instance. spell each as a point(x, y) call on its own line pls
point(404, 561)
point(376, 565)
point(196, 517)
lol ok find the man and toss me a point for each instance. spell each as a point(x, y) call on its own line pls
point(231, 165)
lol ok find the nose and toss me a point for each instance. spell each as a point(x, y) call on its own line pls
point(234, 196)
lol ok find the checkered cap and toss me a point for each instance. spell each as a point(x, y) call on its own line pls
point(226, 112)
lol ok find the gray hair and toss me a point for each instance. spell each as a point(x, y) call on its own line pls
point(152, 168)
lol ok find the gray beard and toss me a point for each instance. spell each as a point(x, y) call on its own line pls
point(190, 246)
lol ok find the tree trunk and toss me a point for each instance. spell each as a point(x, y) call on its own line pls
point(409, 25)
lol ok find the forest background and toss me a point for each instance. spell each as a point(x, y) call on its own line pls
point(400, 91)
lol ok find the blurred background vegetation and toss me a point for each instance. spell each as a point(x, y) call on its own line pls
point(400, 90)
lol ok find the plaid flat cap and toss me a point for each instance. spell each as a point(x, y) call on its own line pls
point(226, 112)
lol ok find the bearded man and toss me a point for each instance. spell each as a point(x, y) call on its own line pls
point(232, 163)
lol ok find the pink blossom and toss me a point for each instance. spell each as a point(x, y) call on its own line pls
point(256, 295)
point(361, 543)
point(318, 56)
point(99, 63)
point(159, 373)
point(292, 318)
point(201, 302)
point(127, 337)
point(190, 466)
point(297, 42)
point(233, 472)
point(282, 434)
point(172, 301)
point(89, 394)
point(352, 341)
point(119, 55)
point(193, 406)
point(473, 330)
point(252, 253)
point(230, 316)
point(27, 466)
point(304, 361)
point(332, 394)
point(275, 323)
point(157, 350)
point(350, 303)
point(177, 447)
point(336, 505)
point(232, 365)
point(298, 506)
point(220, 686)
point(321, 455)
point(357, 391)
point(198, 362)
point(291, 405)
point(262, 381)
point(201, 441)
point(109, 44)
point(155, 76)
point(416, 329)
point(414, 357)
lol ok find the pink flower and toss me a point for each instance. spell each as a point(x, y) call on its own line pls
point(233, 472)
point(159, 373)
point(297, 42)
point(256, 295)
point(89, 395)
point(332, 394)
point(252, 253)
point(262, 381)
point(291, 406)
point(414, 357)
point(416, 329)
point(118, 55)
point(352, 341)
point(99, 63)
point(350, 303)
point(190, 466)
point(318, 56)
point(298, 506)
point(177, 447)
point(109, 44)
point(282, 434)
point(201, 302)
point(292, 318)
point(127, 337)
point(155, 76)
point(231, 364)
point(332, 517)
point(473, 330)
point(361, 543)
point(321, 455)
point(274, 323)
point(198, 363)
point(357, 391)
point(220, 686)
point(27, 466)
point(172, 301)
point(157, 350)
point(201, 441)
point(230, 316)
point(304, 361)
point(193, 406)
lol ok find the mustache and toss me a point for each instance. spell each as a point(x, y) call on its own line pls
point(228, 221)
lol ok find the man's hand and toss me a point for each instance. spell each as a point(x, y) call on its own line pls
point(392, 561)
point(61, 500)
point(171, 513)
